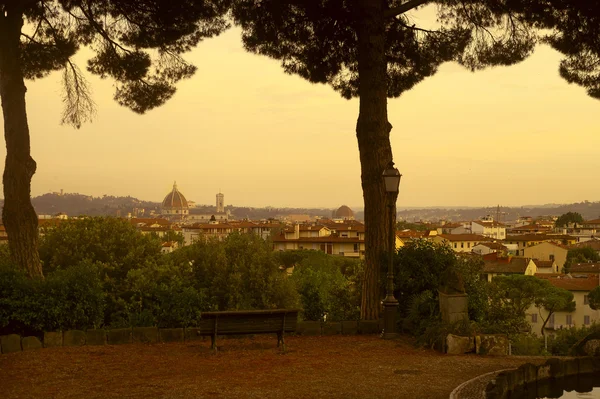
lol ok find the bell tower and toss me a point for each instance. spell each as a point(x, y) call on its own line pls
point(220, 203)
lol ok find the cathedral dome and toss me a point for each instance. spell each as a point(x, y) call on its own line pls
point(344, 212)
point(175, 202)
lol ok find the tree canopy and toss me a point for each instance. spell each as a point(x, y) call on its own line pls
point(374, 50)
point(136, 43)
point(568, 218)
point(573, 29)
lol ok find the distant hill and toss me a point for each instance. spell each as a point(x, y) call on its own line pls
point(79, 204)
point(108, 205)
point(589, 210)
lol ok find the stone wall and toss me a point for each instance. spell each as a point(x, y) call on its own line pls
point(16, 343)
point(539, 379)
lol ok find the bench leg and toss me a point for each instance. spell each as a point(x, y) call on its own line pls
point(281, 340)
point(213, 342)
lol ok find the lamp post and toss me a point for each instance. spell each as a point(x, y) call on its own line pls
point(391, 178)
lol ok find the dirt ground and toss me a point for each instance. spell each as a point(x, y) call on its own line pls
point(328, 367)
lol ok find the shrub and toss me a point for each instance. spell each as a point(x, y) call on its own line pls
point(527, 345)
point(66, 299)
point(563, 340)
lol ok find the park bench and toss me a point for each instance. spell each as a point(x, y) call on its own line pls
point(241, 322)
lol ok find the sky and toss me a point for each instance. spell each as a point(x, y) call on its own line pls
point(508, 135)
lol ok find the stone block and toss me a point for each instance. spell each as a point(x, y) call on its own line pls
point(596, 362)
point(368, 327)
point(309, 328)
point(453, 307)
point(529, 373)
point(52, 339)
point(95, 337)
point(74, 338)
point(31, 343)
point(491, 344)
point(543, 372)
point(592, 347)
point(193, 334)
point(10, 343)
point(147, 335)
point(514, 380)
point(457, 345)
point(119, 336)
point(171, 334)
point(556, 368)
point(350, 327)
point(332, 328)
point(586, 365)
point(570, 367)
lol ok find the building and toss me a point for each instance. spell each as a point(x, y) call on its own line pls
point(503, 266)
point(486, 248)
point(460, 242)
point(546, 266)
point(527, 240)
point(491, 229)
point(585, 268)
point(343, 213)
point(547, 251)
point(175, 205)
point(580, 286)
point(220, 203)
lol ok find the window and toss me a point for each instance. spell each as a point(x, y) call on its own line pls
point(586, 300)
point(569, 319)
point(552, 257)
point(462, 244)
point(454, 245)
point(534, 317)
point(586, 320)
point(468, 245)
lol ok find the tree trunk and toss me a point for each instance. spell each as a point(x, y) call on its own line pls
point(373, 133)
point(18, 214)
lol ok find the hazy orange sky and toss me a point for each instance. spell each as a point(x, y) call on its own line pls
point(509, 136)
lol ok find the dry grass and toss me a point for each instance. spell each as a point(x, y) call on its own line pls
point(337, 366)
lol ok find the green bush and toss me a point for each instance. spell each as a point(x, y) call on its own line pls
point(66, 299)
point(527, 345)
point(324, 289)
point(563, 340)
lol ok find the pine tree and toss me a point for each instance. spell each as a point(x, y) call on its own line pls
point(373, 49)
point(138, 43)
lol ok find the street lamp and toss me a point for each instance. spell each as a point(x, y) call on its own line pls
point(391, 178)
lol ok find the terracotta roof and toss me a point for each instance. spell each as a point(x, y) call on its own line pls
point(594, 244)
point(331, 238)
point(464, 237)
point(593, 221)
point(575, 283)
point(530, 227)
point(149, 221)
point(488, 223)
point(544, 264)
point(539, 237)
point(174, 200)
point(585, 268)
point(344, 212)
point(206, 226)
point(494, 245)
point(410, 234)
point(506, 265)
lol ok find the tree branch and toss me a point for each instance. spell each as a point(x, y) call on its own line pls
point(404, 7)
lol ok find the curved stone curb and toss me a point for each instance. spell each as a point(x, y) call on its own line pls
point(458, 394)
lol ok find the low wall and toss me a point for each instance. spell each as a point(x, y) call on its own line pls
point(529, 376)
point(15, 343)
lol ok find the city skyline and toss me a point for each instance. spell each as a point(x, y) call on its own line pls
point(519, 135)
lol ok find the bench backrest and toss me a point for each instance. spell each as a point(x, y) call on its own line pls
point(249, 322)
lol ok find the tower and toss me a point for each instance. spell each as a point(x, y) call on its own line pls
point(220, 203)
